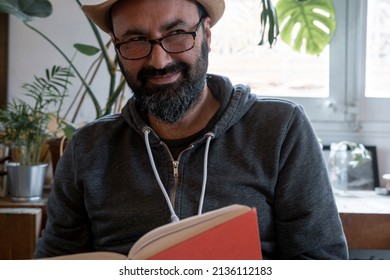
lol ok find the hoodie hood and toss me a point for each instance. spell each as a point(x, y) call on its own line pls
point(235, 102)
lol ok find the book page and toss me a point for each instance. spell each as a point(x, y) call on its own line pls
point(99, 255)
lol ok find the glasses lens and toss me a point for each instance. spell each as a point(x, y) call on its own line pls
point(135, 49)
point(178, 43)
point(175, 43)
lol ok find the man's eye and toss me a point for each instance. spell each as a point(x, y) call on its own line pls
point(179, 31)
point(137, 39)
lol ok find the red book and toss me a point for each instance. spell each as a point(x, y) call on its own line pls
point(229, 233)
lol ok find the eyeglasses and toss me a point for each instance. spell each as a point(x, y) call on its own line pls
point(140, 48)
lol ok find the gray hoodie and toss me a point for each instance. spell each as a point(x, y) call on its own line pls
point(260, 152)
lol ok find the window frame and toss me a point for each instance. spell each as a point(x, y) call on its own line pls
point(352, 111)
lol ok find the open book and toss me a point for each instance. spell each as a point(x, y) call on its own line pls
point(228, 233)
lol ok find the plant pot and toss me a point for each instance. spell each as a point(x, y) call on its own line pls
point(25, 182)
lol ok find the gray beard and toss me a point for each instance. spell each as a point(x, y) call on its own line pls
point(172, 102)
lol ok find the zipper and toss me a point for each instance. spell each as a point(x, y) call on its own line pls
point(175, 165)
point(175, 170)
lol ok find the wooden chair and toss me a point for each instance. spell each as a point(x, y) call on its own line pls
point(19, 232)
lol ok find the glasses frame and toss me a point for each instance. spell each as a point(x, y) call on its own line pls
point(159, 41)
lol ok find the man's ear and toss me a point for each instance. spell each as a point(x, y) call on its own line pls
point(207, 27)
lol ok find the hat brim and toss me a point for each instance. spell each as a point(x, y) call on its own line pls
point(99, 13)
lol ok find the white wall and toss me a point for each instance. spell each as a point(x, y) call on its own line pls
point(29, 54)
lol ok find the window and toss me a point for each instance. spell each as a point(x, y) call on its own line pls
point(378, 49)
point(344, 89)
point(373, 91)
point(276, 71)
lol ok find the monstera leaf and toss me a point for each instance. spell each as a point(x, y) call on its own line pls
point(25, 10)
point(316, 21)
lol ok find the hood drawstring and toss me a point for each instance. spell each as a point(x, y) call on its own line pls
point(205, 160)
point(174, 217)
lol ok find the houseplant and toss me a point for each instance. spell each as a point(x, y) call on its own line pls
point(24, 130)
point(26, 10)
point(98, 57)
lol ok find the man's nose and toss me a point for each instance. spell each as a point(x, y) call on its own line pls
point(159, 58)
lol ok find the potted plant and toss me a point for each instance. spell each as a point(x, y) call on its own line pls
point(24, 130)
point(26, 10)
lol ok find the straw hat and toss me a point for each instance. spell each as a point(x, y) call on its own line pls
point(99, 13)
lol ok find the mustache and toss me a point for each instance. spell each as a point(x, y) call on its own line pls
point(172, 68)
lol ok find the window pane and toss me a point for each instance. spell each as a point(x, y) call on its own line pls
point(276, 71)
point(378, 49)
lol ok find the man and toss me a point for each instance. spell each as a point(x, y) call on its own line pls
point(187, 143)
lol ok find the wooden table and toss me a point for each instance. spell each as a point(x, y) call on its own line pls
point(6, 202)
point(366, 219)
point(19, 231)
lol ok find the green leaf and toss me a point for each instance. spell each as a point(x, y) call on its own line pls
point(86, 49)
point(268, 19)
point(316, 21)
point(12, 9)
point(25, 10)
point(68, 128)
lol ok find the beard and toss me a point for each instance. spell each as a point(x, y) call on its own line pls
point(169, 102)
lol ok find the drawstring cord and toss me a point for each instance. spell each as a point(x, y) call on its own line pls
point(205, 160)
point(174, 217)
